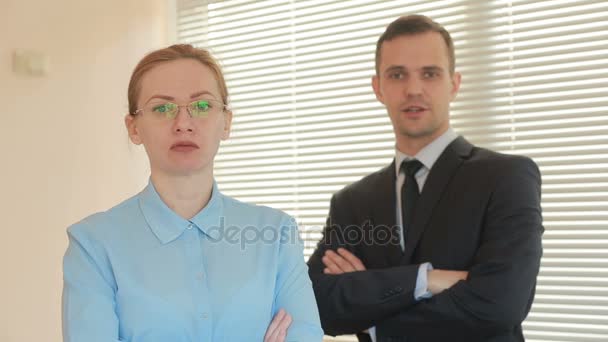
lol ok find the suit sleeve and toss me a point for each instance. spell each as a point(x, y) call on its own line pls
point(88, 292)
point(498, 293)
point(352, 302)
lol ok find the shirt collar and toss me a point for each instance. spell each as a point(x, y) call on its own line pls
point(429, 154)
point(167, 225)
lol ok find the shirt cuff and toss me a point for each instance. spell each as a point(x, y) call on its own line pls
point(422, 284)
point(421, 291)
point(372, 333)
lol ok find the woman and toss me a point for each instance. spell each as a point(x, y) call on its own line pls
point(180, 261)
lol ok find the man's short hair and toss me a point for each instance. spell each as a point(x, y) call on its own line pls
point(415, 24)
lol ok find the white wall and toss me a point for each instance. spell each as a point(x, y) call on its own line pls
point(64, 152)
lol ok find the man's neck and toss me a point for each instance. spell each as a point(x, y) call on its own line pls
point(412, 145)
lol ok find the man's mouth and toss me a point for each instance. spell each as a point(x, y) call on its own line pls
point(414, 109)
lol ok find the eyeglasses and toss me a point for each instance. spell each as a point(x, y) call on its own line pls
point(169, 110)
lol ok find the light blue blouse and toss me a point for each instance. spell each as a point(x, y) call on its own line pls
point(140, 273)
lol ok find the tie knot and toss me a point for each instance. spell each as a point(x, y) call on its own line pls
point(410, 167)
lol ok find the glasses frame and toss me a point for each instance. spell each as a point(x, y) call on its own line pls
point(224, 107)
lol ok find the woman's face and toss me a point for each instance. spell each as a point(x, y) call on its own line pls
point(184, 144)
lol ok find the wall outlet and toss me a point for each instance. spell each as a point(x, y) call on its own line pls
point(30, 63)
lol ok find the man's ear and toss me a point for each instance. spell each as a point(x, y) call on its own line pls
point(227, 124)
point(131, 124)
point(376, 87)
point(456, 78)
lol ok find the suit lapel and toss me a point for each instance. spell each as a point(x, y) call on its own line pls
point(384, 211)
point(436, 182)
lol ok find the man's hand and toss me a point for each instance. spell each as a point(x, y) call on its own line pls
point(341, 262)
point(277, 330)
point(440, 280)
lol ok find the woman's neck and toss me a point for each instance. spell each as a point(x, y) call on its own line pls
point(185, 194)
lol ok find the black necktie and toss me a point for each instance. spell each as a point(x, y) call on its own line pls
point(409, 193)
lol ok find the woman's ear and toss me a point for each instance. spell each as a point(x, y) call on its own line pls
point(131, 124)
point(227, 124)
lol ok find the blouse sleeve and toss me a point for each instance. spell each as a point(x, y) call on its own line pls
point(294, 289)
point(88, 301)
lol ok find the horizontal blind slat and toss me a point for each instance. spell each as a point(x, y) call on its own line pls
point(306, 122)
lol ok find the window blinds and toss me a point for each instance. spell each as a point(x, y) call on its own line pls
point(535, 82)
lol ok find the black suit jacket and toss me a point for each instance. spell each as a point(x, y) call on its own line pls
point(478, 211)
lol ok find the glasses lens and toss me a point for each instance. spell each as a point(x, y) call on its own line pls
point(201, 108)
point(164, 110)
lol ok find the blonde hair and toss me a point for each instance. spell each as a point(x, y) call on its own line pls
point(171, 53)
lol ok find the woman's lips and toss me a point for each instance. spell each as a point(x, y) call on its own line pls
point(184, 146)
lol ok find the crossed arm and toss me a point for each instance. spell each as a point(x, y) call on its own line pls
point(89, 298)
point(277, 330)
point(491, 297)
point(344, 261)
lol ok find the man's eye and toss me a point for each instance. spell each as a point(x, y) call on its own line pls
point(395, 75)
point(430, 74)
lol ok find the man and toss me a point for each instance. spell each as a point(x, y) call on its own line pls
point(446, 250)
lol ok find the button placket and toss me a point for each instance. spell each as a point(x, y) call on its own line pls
point(202, 299)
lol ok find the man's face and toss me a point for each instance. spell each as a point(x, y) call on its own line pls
point(416, 87)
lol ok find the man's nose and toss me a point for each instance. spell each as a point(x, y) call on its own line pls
point(414, 86)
